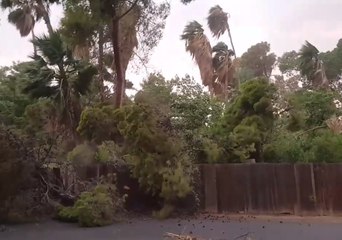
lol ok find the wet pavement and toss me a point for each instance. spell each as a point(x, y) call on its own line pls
point(218, 228)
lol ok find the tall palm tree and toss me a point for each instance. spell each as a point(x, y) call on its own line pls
point(312, 67)
point(218, 23)
point(197, 43)
point(58, 76)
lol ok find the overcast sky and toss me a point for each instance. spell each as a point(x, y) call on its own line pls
point(284, 24)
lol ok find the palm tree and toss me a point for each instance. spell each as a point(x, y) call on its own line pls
point(58, 76)
point(218, 23)
point(311, 66)
point(86, 30)
point(24, 14)
point(215, 64)
point(197, 43)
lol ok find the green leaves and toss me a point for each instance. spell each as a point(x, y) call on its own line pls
point(243, 128)
point(259, 60)
point(51, 48)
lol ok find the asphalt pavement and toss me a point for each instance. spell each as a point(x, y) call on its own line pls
point(214, 228)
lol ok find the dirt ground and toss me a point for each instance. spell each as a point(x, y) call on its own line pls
point(214, 227)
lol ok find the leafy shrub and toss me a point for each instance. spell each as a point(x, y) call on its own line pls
point(310, 109)
point(94, 208)
point(285, 148)
point(326, 147)
point(67, 214)
point(18, 187)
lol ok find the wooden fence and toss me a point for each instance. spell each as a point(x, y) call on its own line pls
point(300, 189)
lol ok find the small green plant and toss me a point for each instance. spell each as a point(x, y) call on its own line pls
point(94, 208)
point(67, 214)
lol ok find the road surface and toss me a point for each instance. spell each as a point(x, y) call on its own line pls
point(214, 228)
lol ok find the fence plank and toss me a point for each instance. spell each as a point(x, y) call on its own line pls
point(232, 187)
point(210, 188)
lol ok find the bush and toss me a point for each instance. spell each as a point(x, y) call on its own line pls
point(67, 214)
point(94, 208)
point(285, 148)
point(19, 188)
point(327, 147)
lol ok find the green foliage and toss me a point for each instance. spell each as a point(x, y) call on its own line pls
point(99, 124)
point(326, 147)
point(157, 158)
point(246, 123)
point(259, 60)
point(68, 214)
point(82, 155)
point(12, 101)
point(288, 62)
point(286, 147)
point(57, 75)
point(109, 152)
point(333, 62)
point(93, 209)
point(311, 108)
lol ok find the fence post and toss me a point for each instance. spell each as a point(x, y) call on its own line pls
point(297, 206)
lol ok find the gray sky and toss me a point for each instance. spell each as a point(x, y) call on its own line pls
point(284, 24)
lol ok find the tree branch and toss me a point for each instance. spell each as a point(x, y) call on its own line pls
point(311, 129)
point(130, 9)
point(285, 110)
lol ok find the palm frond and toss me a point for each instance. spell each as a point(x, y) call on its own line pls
point(6, 4)
point(308, 57)
point(311, 66)
point(22, 19)
point(39, 12)
point(84, 77)
point(128, 35)
point(217, 21)
point(193, 29)
point(335, 125)
point(41, 87)
point(223, 66)
point(51, 47)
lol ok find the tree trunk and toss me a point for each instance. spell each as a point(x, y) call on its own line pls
point(100, 64)
point(45, 17)
point(119, 86)
point(231, 39)
point(48, 23)
point(34, 46)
